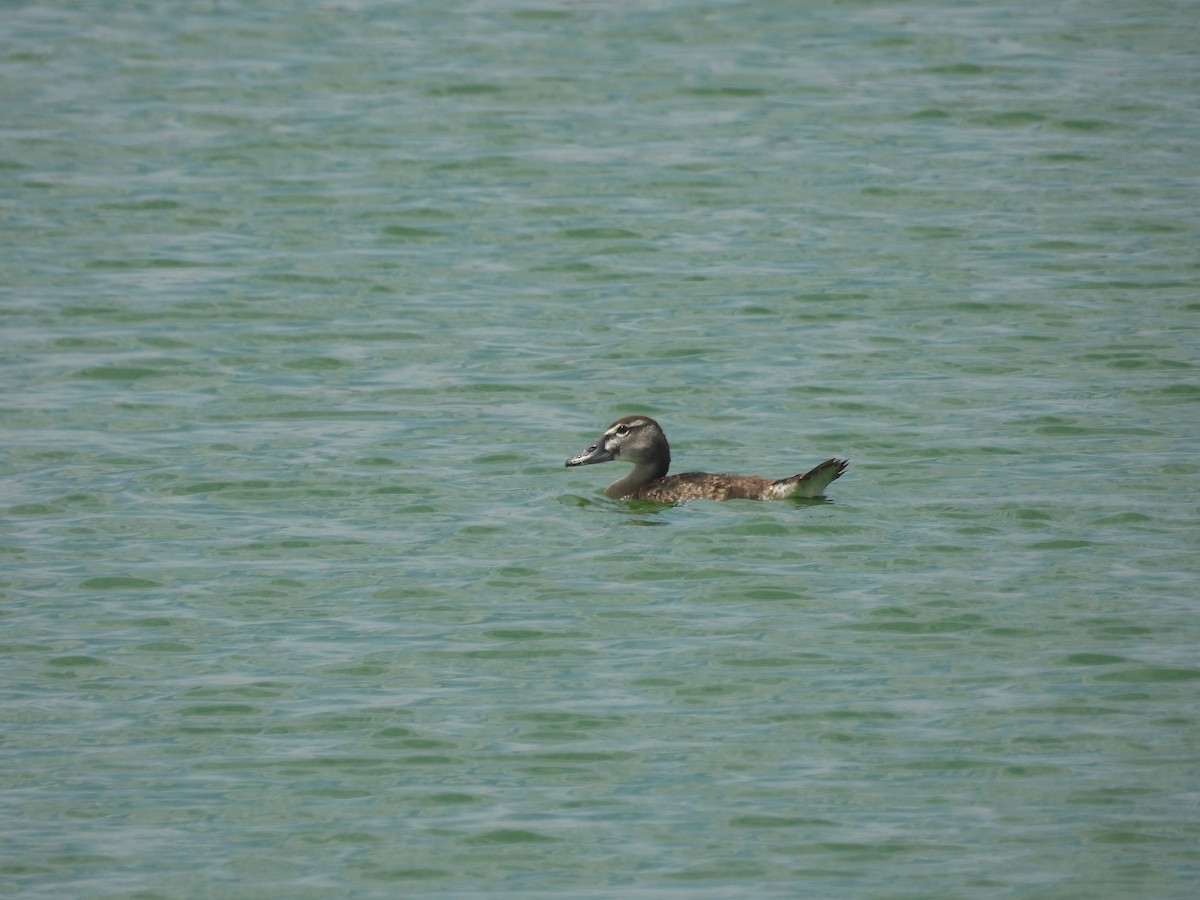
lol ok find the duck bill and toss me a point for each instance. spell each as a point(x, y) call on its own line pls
point(593, 454)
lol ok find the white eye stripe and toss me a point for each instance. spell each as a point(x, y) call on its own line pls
point(627, 426)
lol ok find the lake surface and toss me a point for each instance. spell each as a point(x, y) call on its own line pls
point(305, 304)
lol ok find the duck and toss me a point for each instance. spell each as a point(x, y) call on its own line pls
point(641, 441)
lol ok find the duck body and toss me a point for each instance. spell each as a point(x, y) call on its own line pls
point(640, 440)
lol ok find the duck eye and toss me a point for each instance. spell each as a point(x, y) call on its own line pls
point(622, 429)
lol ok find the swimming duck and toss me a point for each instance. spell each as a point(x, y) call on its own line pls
point(640, 440)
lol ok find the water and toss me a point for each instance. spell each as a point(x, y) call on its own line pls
point(305, 306)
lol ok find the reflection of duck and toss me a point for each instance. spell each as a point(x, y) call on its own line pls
point(641, 441)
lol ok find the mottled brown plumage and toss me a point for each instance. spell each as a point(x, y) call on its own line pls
point(640, 440)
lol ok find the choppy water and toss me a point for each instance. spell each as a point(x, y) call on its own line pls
point(304, 305)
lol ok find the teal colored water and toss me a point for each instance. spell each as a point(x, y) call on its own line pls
point(304, 306)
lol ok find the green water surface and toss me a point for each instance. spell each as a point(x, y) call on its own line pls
point(304, 305)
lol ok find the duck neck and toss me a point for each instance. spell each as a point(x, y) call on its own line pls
point(642, 473)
